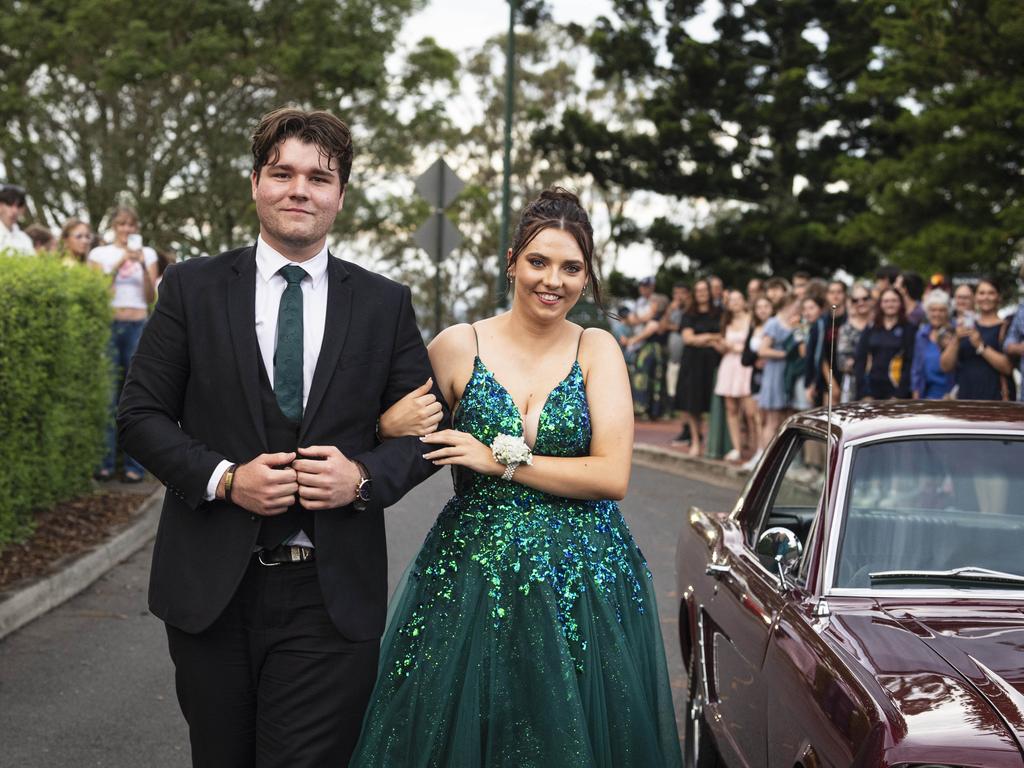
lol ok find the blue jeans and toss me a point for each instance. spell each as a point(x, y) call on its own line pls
point(124, 339)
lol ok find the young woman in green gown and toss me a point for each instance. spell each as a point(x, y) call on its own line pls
point(526, 632)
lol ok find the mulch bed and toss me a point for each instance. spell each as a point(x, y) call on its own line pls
point(70, 528)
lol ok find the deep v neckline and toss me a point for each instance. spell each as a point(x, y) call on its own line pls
point(508, 395)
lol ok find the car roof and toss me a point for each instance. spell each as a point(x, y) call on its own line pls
point(891, 417)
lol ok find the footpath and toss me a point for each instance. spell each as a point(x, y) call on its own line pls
point(23, 602)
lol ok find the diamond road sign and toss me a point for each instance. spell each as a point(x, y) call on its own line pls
point(439, 185)
point(438, 236)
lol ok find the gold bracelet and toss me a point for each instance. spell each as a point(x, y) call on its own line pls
point(229, 480)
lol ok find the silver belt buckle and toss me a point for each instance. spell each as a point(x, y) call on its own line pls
point(259, 556)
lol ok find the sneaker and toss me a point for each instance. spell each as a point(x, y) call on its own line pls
point(752, 461)
point(733, 455)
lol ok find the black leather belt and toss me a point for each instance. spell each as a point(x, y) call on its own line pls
point(284, 553)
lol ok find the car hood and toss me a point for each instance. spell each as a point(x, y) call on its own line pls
point(948, 682)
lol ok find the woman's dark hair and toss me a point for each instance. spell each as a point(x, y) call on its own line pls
point(991, 281)
point(901, 314)
point(694, 305)
point(329, 134)
point(557, 208)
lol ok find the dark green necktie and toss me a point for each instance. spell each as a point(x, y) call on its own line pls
point(288, 355)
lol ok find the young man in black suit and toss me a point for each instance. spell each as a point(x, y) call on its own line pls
point(254, 397)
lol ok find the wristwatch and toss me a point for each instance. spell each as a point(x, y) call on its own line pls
point(980, 349)
point(364, 488)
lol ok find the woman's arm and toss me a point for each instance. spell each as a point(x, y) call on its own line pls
point(768, 350)
point(604, 473)
point(951, 354)
point(416, 414)
point(149, 282)
point(649, 330)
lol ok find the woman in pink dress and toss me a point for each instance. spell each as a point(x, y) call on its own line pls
point(733, 383)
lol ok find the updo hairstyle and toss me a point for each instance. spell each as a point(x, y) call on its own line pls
point(557, 208)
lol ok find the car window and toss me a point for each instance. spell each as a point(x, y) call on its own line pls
point(794, 498)
point(933, 504)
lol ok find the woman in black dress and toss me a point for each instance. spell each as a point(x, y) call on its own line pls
point(983, 372)
point(702, 332)
point(885, 351)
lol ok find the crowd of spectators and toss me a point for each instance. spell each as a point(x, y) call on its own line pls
point(134, 270)
point(783, 345)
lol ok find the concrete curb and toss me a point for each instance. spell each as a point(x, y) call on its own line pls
point(695, 467)
point(19, 608)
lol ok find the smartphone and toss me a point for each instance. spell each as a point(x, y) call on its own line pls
point(967, 320)
point(135, 242)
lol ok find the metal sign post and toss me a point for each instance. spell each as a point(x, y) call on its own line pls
point(439, 186)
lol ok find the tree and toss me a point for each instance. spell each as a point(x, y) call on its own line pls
point(944, 173)
point(754, 122)
point(153, 103)
point(549, 59)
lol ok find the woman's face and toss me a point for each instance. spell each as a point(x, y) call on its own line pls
point(938, 315)
point(124, 226)
point(811, 311)
point(986, 297)
point(963, 298)
point(702, 293)
point(860, 302)
point(79, 239)
point(550, 274)
point(890, 303)
point(736, 303)
point(763, 309)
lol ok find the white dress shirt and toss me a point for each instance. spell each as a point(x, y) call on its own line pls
point(15, 240)
point(270, 286)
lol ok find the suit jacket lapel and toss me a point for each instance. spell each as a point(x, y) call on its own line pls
point(242, 320)
point(336, 325)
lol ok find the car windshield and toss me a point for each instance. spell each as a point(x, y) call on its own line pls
point(932, 507)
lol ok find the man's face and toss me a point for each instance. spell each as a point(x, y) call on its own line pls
point(716, 287)
point(9, 214)
point(297, 199)
point(799, 286)
point(646, 289)
point(837, 296)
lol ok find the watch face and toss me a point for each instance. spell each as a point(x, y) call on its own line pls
point(365, 489)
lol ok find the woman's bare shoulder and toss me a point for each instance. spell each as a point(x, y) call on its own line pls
point(454, 339)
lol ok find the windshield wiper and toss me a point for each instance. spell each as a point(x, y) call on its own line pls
point(968, 574)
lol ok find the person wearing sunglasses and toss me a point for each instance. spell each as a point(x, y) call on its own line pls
point(12, 208)
point(857, 319)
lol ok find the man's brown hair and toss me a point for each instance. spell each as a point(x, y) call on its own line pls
point(330, 135)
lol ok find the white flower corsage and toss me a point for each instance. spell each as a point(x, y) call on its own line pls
point(511, 451)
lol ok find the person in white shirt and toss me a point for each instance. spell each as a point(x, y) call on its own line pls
point(132, 269)
point(12, 207)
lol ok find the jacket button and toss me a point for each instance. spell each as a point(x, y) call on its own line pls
point(252, 517)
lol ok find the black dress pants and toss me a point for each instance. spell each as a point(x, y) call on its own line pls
point(272, 682)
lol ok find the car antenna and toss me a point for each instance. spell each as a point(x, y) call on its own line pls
point(828, 427)
point(821, 610)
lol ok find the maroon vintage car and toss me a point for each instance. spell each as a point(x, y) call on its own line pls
point(877, 620)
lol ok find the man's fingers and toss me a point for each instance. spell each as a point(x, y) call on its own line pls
point(274, 459)
point(310, 466)
point(310, 492)
point(319, 451)
point(313, 480)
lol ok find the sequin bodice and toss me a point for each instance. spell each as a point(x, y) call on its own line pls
point(510, 540)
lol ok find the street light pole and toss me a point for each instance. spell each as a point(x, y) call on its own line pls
point(510, 77)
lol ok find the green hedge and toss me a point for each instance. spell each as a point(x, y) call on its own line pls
point(54, 384)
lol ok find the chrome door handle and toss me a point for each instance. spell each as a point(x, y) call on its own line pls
point(718, 570)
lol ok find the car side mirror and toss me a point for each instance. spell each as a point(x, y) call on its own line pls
point(779, 550)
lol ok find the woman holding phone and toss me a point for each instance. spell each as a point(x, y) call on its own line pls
point(131, 267)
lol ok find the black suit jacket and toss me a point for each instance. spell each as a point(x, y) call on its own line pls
point(191, 399)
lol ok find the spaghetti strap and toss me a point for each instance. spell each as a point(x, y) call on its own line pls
point(475, 338)
point(579, 343)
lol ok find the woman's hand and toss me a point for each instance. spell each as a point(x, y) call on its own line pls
point(463, 449)
point(416, 414)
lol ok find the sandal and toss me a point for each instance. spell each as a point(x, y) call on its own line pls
point(133, 477)
point(103, 475)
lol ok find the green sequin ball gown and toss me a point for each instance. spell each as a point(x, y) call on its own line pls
point(526, 632)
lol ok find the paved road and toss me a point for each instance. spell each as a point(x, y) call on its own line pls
point(90, 683)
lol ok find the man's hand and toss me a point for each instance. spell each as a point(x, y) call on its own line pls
point(327, 478)
point(264, 486)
